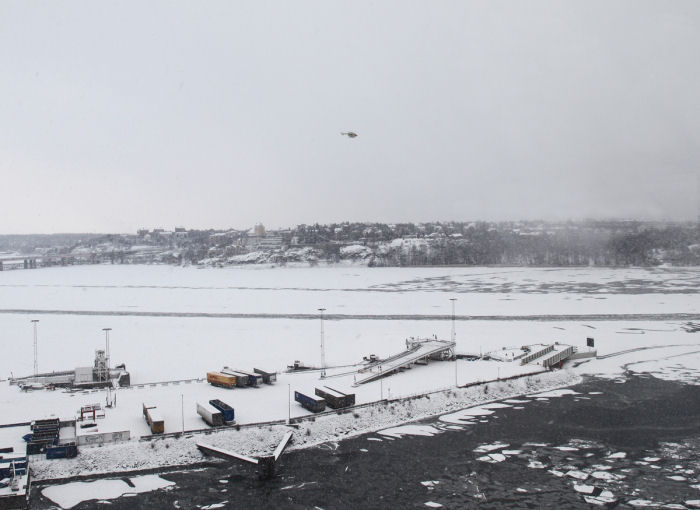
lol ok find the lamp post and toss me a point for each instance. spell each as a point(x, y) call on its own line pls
point(289, 404)
point(454, 337)
point(107, 330)
point(182, 411)
point(381, 384)
point(323, 348)
point(36, 361)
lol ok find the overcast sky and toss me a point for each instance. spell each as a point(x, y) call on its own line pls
point(118, 115)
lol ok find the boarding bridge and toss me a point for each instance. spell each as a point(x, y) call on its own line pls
point(418, 351)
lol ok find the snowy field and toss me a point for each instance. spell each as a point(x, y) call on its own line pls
point(167, 348)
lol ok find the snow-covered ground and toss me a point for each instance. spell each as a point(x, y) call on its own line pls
point(174, 348)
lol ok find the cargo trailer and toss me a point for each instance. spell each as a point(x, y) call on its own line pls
point(334, 398)
point(154, 419)
point(210, 414)
point(251, 379)
point(225, 409)
point(268, 377)
point(222, 380)
point(312, 403)
point(241, 378)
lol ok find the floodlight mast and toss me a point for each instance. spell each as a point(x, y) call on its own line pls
point(323, 347)
point(454, 337)
point(36, 352)
point(107, 330)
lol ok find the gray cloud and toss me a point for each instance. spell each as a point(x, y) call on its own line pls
point(117, 115)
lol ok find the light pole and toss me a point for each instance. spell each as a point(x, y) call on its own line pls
point(454, 337)
point(36, 360)
point(323, 348)
point(107, 330)
point(381, 384)
point(182, 411)
point(289, 404)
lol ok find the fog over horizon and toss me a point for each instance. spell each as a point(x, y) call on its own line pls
point(119, 116)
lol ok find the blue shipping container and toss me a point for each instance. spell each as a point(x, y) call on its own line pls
point(66, 451)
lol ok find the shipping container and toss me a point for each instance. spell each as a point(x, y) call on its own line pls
point(9, 465)
point(222, 380)
point(312, 403)
point(225, 409)
point(334, 398)
point(268, 377)
point(63, 451)
point(210, 414)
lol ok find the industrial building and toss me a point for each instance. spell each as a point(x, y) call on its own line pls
point(100, 375)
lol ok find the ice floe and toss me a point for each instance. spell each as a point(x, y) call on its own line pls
point(70, 494)
point(604, 498)
point(410, 430)
point(555, 393)
point(490, 447)
point(465, 416)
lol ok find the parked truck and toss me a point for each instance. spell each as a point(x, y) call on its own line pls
point(154, 419)
point(268, 377)
point(225, 409)
point(334, 398)
point(222, 380)
point(312, 403)
point(210, 414)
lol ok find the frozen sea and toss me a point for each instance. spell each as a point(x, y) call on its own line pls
point(162, 315)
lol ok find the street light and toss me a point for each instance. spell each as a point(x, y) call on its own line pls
point(36, 361)
point(381, 384)
point(107, 330)
point(454, 337)
point(323, 348)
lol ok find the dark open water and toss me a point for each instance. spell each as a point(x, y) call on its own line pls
point(639, 440)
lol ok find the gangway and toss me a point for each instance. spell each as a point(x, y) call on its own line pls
point(549, 355)
point(417, 351)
